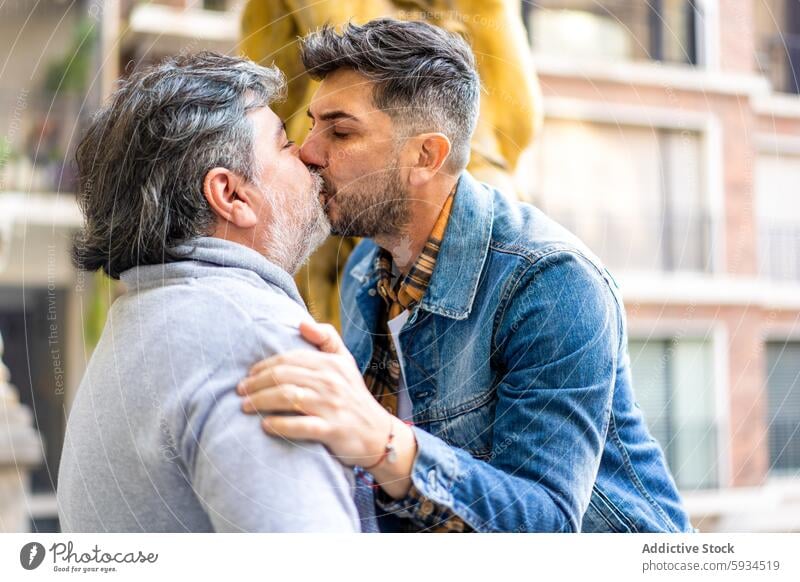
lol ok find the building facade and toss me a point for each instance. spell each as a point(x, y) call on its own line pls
point(671, 144)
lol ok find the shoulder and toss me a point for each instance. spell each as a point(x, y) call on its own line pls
point(191, 325)
point(528, 243)
point(523, 230)
point(561, 304)
point(552, 276)
point(231, 295)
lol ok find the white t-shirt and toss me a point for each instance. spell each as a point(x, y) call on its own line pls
point(404, 408)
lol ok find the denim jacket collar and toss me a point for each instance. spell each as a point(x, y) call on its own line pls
point(461, 257)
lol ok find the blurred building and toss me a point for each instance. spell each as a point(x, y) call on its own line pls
point(44, 93)
point(671, 145)
point(62, 58)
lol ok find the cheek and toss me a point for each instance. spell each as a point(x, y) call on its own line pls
point(340, 160)
point(290, 173)
point(354, 162)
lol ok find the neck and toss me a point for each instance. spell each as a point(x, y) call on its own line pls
point(230, 232)
point(425, 206)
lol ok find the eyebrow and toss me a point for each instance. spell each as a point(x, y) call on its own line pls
point(334, 115)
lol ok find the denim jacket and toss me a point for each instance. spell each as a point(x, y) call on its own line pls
point(517, 367)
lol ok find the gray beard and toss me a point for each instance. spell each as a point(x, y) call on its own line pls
point(297, 231)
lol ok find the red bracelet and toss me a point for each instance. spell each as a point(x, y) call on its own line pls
point(388, 451)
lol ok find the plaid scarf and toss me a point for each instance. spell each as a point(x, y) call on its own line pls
point(382, 376)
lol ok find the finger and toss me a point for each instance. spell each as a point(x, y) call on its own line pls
point(274, 376)
point(304, 358)
point(304, 428)
point(324, 336)
point(284, 398)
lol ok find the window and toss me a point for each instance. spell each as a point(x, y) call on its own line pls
point(633, 194)
point(617, 30)
point(777, 177)
point(33, 348)
point(219, 5)
point(674, 384)
point(777, 25)
point(783, 394)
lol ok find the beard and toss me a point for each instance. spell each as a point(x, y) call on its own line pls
point(372, 206)
point(298, 226)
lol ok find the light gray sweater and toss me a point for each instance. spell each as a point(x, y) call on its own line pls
point(156, 440)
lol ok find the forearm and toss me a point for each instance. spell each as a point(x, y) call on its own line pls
point(448, 481)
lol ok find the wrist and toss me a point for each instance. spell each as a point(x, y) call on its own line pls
point(383, 444)
point(394, 475)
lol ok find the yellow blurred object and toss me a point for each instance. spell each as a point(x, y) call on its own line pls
point(510, 111)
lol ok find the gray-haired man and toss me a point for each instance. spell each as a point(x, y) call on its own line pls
point(195, 198)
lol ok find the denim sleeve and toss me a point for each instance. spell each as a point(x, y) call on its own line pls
point(245, 479)
point(558, 338)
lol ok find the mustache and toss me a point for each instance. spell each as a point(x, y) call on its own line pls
point(318, 182)
point(326, 186)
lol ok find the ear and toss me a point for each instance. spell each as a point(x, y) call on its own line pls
point(431, 151)
point(230, 198)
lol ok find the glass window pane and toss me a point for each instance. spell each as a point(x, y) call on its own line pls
point(783, 389)
point(687, 225)
point(777, 31)
point(778, 204)
point(649, 368)
point(694, 430)
point(32, 348)
point(615, 186)
point(580, 34)
point(677, 31)
point(674, 386)
point(613, 30)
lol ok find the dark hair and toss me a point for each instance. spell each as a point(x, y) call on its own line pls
point(144, 157)
point(425, 77)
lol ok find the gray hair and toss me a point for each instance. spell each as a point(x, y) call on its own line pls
point(425, 77)
point(144, 157)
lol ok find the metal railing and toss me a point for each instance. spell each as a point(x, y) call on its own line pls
point(644, 243)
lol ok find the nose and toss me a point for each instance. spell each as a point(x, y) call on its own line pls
point(311, 153)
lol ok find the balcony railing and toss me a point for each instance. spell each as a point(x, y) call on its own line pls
point(634, 243)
